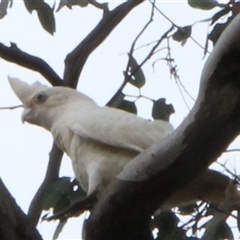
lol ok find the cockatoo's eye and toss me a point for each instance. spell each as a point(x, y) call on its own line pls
point(40, 97)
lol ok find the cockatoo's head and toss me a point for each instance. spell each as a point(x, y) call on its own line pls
point(42, 104)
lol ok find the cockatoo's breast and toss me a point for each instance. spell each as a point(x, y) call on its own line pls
point(95, 164)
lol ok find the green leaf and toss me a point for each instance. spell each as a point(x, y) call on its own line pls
point(45, 14)
point(46, 17)
point(31, 5)
point(182, 33)
point(135, 75)
point(62, 203)
point(128, 106)
point(62, 193)
point(203, 4)
point(54, 192)
point(161, 110)
point(3, 7)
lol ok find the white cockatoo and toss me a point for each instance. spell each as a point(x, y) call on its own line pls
point(99, 140)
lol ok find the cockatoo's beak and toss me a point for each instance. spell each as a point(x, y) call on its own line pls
point(25, 113)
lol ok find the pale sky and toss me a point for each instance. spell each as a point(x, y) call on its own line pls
point(25, 148)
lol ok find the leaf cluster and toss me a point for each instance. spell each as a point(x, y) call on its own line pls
point(45, 12)
point(170, 226)
point(135, 76)
point(227, 11)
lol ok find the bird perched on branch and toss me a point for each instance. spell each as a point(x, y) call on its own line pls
point(99, 140)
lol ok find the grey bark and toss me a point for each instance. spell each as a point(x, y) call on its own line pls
point(123, 213)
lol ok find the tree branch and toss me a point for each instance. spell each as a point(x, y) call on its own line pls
point(75, 60)
point(14, 224)
point(51, 176)
point(15, 55)
point(125, 210)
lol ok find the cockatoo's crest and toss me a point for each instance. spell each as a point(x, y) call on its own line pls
point(23, 90)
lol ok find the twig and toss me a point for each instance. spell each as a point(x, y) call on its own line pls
point(173, 72)
point(119, 96)
point(165, 16)
point(152, 52)
point(11, 108)
point(176, 26)
point(138, 36)
point(232, 150)
point(195, 41)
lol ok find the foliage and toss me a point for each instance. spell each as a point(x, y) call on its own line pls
point(65, 192)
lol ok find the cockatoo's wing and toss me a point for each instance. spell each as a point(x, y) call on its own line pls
point(119, 129)
point(24, 90)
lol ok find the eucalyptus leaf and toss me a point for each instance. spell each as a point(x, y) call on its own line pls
point(203, 4)
point(128, 106)
point(62, 193)
point(46, 17)
point(161, 110)
point(182, 34)
point(31, 5)
point(55, 191)
point(3, 7)
point(135, 75)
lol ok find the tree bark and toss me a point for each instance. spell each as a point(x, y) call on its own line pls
point(75, 60)
point(125, 210)
point(14, 224)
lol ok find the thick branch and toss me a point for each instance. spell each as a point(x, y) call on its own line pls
point(14, 224)
point(76, 59)
point(15, 55)
point(124, 211)
point(51, 176)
